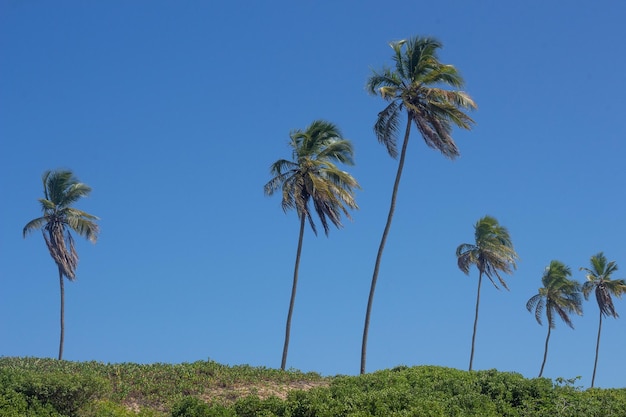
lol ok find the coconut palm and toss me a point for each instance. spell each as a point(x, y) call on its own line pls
point(62, 189)
point(558, 295)
point(312, 178)
point(492, 253)
point(599, 280)
point(414, 87)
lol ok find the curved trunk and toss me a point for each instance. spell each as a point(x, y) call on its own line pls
point(293, 293)
point(480, 278)
point(595, 363)
point(61, 283)
point(381, 248)
point(545, 353)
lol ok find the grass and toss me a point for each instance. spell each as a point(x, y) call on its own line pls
point(46, 387)
point(158, 386)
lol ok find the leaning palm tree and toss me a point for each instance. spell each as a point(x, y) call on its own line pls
point(492, 252)
point(599, 280)
point(413, 87)
point(61, 189)
point(311, 176)
point(558, 295)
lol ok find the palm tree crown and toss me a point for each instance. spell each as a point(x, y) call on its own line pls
point(599, 280)
point(558, 295)
point(492, 251)
point(412, 85)
point(312, 176)
point(61, 189)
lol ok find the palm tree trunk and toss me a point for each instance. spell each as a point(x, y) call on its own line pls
point(545, 353)
point(293, 293)
point(62, 284)
point(595, 363)
point(381, 248)
point(480, 278)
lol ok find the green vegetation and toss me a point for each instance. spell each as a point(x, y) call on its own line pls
point(312, 177)
point(491, 253)
point(62, 189)
point(45, 387)
point(413, 87)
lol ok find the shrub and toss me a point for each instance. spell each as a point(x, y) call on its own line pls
point(194, 407)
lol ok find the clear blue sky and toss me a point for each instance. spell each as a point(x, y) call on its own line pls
point(173, 111)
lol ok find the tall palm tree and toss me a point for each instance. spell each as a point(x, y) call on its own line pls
point(492, 253)
point(558, 295)
point(62, 189)
point(311, 176)
point(599, 280)
point(414, 87)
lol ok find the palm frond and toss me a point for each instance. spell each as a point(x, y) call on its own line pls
point(61, 247)
point(47, 205)
point(536, 303)
point(466, 257)
point(443, 74)
point(73, 193)
point(387, 126)
point(386, 83)
point(84, 226)
point(337, 150)
point(564, 315)
point(35, 224)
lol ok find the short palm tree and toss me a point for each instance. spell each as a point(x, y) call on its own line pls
point(312, 178)
point(62, 189)
point(492, 253)
point(599, 280)
point(414, 87)
point(558, 295)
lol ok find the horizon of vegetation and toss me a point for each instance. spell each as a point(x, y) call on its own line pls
point(38, 387)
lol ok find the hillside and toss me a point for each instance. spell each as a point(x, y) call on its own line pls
point(45, 387)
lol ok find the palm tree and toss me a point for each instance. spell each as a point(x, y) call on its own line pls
point(61, 189)
point(599, 280)
point(311, 176)
point(558, 295)
point(413, 87)
point(492, 252)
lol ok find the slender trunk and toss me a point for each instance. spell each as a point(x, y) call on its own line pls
point(595, 363)
point(480, 278)
point(379, 256)
point(62, 284)
point(545, 353)
point(293, 293)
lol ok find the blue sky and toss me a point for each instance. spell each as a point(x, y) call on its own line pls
point(173, 111)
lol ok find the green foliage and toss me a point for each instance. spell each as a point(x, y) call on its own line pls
point(107, 408)
point(194, 407)
point(54, 390)
point(32, 387)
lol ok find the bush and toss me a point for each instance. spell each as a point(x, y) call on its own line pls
point(194, 407)
point(55, 391)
